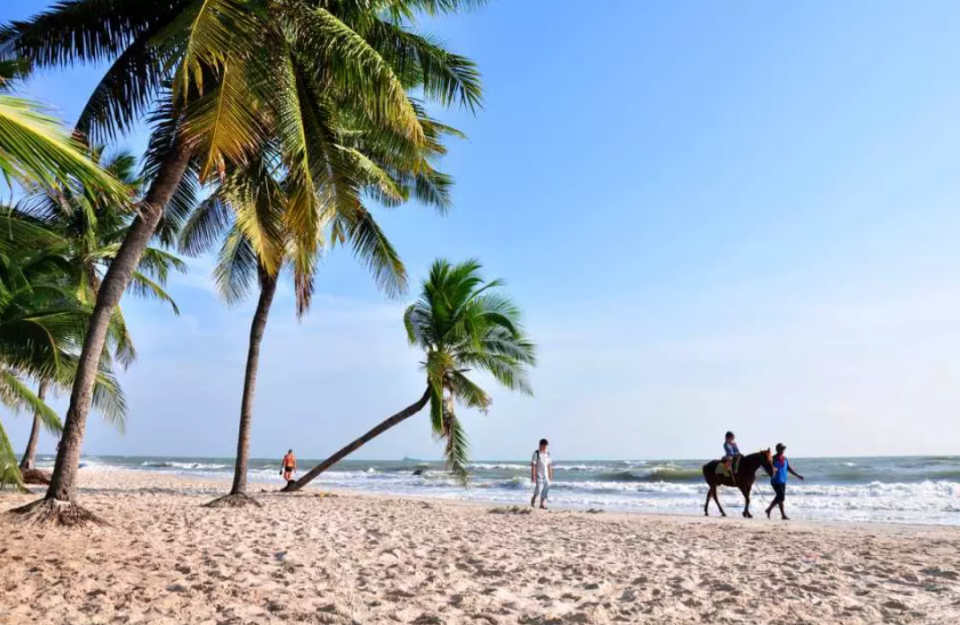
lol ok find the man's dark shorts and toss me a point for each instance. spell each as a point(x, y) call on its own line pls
point(781, 492)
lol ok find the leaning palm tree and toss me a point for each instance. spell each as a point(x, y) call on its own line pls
point(462, 324)
point(240, 74)
point(249, 210)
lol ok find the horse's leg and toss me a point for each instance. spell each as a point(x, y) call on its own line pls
point(706, 506)
point(717, 500)
point(746, 495)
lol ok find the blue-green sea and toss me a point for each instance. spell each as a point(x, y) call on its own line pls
point(899, 490)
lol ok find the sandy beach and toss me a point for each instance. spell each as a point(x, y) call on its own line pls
point(350, 558)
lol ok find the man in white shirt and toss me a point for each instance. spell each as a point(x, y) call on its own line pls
point(541, 474)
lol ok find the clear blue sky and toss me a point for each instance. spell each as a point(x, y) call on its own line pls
point(717, 215)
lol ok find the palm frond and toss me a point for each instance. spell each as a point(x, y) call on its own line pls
point(34, 146)
point(467, 392)
point(142, 286)
point(109, 400)
point(216, 30)
point(9, 470)
point(129, 86)
point(180, 207)
point(424, 63)
point(372, 247)
point(224, 123)
point(236, 269)
point(341, 56)
point(205, 226)
point(17, 395)
point(456, 450)
point(121, 340)
point(79, 31)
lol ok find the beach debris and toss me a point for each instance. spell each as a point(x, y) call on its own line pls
point(595, 511)
point(35, 476)
point(177, 587)
point(510, 510)
point(938, 572)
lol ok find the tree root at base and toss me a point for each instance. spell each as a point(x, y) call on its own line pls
point(54, 513)
point(233, 500)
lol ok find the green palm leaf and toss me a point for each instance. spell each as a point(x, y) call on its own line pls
point(33, 147)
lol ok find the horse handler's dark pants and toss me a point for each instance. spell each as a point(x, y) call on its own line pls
point(781, 493)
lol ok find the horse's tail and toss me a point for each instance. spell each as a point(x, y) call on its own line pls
point(710, 470)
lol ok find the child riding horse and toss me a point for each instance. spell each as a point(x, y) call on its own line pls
point(742, 478)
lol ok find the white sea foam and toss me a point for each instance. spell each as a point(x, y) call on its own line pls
point(171, 464)
point(914, 491)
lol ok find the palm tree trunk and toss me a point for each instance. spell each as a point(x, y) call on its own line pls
point(396, 419)
point(63, 483)
point(268, 287)
point(30, 455)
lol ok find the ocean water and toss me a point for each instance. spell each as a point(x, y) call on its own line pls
point(899, 490)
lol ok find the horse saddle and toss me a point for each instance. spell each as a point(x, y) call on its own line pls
point(734, 466)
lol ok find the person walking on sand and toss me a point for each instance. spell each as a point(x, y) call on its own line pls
point(779, 480)
point(289, 464)
point(541, 474)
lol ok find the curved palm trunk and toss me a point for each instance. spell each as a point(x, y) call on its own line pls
point(268, 288)
point(63, 484)
point(30, 455)
point(396, 419)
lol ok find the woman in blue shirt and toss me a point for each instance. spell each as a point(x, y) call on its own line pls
point(779, 480)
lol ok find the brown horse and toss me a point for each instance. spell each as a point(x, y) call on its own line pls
point(743, 479)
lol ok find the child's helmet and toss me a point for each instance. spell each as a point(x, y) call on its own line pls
point(730, 435)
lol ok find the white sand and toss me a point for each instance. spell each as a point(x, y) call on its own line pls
point(358, 559)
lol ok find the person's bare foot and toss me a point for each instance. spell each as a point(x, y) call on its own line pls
point(543, 506)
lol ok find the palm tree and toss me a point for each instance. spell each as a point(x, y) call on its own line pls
point(36, 320)
point(91, 228)
point(462, 324)
point(248, 212)
point(41, 325)
point(235, 75)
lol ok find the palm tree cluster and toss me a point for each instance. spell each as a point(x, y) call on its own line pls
point(276, 125)
point(59, 239)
